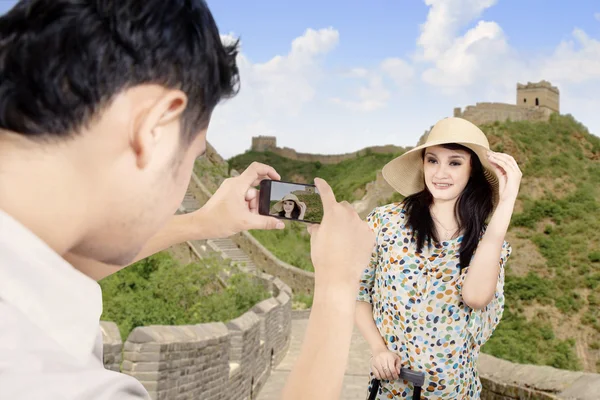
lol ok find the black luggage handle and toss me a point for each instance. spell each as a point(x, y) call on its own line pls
point(416, 378)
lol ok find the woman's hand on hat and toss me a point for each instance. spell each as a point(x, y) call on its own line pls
point(234, 206)
point(302, 210)
point(509, 175)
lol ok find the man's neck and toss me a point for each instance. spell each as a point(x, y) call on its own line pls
point(39, 189)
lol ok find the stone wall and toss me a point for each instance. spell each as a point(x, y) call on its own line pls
point(378, 192)
point(485, 113)
point(213, 361)
point(113, 345)
point(335, 158)
point(503, 380)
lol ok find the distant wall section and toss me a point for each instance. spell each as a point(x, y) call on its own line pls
point(269, 143)
point(485, 113)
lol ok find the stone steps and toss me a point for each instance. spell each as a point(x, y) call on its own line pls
point(233, 252)
point(190, 203)
point(226, 246)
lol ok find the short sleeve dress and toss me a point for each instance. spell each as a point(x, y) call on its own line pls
point(419, 312)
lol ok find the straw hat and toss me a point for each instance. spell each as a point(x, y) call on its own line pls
point(405, 173)
point(278, 207)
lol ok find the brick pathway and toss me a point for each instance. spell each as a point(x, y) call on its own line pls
point(355, 380)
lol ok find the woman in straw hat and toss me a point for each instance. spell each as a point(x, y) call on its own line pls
point(433, 292)
point(289, 207)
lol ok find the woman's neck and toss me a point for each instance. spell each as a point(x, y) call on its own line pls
point(444, 219)
point(444, 211)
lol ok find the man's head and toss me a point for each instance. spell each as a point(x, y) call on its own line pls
point(112, 97)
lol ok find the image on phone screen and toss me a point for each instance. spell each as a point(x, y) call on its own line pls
point(291, 201)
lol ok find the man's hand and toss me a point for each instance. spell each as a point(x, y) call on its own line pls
point(341, 245)
point(234, 206)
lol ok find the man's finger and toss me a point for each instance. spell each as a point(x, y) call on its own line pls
point(257, 221)
point(257, 172)
point(253, 205)
point(261, 178)
point(312, 229)
point(326, 193)
point(251, 194)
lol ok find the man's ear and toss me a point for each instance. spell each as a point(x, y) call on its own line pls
point(153, 122)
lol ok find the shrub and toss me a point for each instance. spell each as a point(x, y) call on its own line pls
point(159, 291)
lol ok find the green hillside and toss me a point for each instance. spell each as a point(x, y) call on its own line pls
point(348, 178)
point(552, 314)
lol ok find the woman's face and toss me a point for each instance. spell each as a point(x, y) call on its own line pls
point(446, 171)
point(288, 206)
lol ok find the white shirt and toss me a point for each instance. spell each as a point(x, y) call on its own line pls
point(50, 338)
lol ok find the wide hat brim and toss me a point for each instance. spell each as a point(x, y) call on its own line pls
point(405, 173)
point(278, 207)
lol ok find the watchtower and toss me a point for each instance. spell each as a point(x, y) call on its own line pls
point(263, 143)
point(541, 94)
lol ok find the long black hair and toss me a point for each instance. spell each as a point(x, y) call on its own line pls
point(295, 211)
point(472, 209)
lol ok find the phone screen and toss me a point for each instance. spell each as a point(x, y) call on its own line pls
point(295, 201)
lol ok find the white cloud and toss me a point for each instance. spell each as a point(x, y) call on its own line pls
point(444, 20)
point(470, 57)
point(373, 93)
point(398, 70)
point(278, 88)
point(356, 73)
point(372, 96)
point(314, 42)
point(455, 62)
point(574, 61)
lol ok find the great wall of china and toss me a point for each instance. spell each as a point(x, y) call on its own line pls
point(534, 102)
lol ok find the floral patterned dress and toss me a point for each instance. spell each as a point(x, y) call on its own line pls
point(418, 309)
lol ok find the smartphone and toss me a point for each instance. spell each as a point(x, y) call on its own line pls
point(291, 201)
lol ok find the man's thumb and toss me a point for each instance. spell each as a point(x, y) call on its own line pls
point(265, 223)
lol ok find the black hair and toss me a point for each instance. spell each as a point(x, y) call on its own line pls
point(295, 212)
point(63, 61)
point(471, 211)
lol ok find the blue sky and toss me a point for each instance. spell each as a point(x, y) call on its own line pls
point(335, 76)
point(278, 190)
